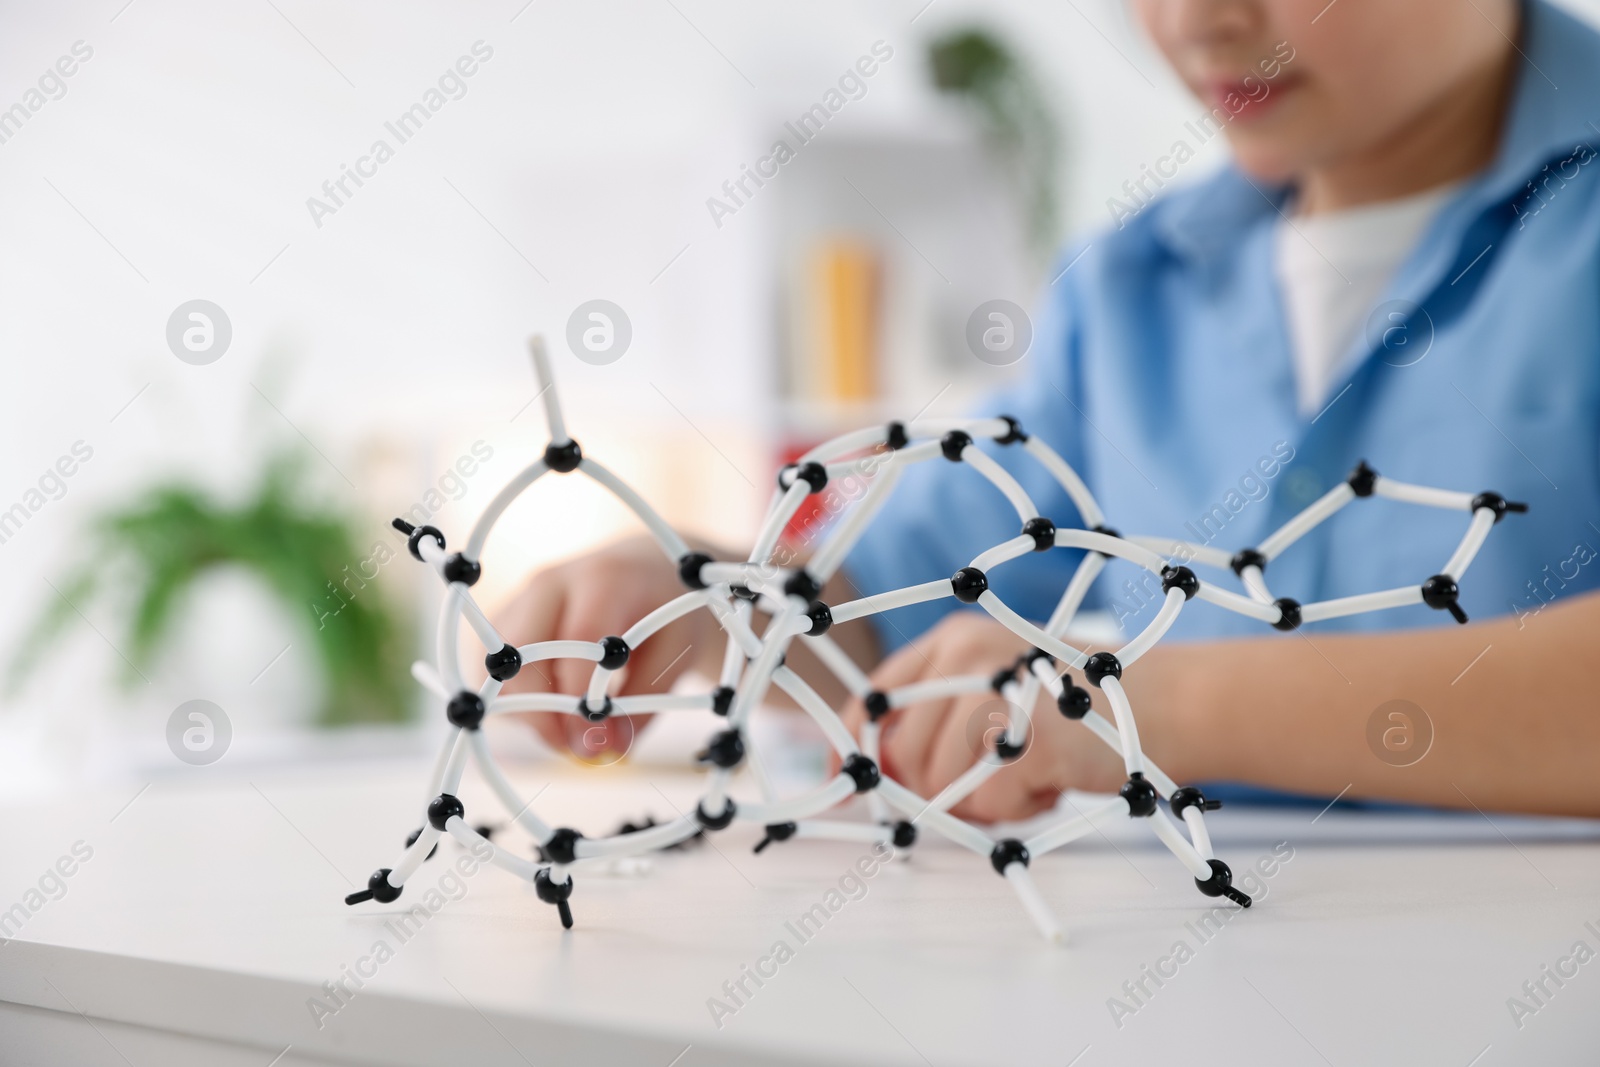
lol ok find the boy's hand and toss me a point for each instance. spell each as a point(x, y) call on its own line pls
point(594, 596)
point(927, 746)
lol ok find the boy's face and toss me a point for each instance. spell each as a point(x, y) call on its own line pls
point(1351, 76)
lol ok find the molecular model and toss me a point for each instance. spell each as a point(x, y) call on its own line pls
point(754, 661)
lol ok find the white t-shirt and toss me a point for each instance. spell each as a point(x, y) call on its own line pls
point(1332, 268)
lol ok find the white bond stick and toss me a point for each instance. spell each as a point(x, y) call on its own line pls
point(758, 771)
point(1180, 551)
point(450, 782)
point(1001, 479)
point(778, 517)
point(547, 389)
point(871, 735)
point(479, 621)
point(415, 853)
point(1032, 902)
point(844, 444)
point(663, 616)
point(1089, 568)
point(838, 661)
point(1004, 552)
point(732, 654)
point(1173, 838)
point(895, 598)
point(665, 536)
point(829, 794)
point(818, 709)
point(1067, 478)
point(648, 840)
point(522, 811)
point(1155, 631)
point(937, 426)
point(1029, 632)
point(1422, 494)
point(558, 703)
point(1212, 593)
point(759, 677)
point(918, 453)
point(506, 861)
point(1107, 545)
point(447, 639)
point(1083, 824)
point(1361, 603)
point(835, 830)
point(441, 763)
point(908, 803)
point(429, 679)
point(735, 622)
point(491, 514)
point(966, 783)
point(725, 572)
point(937, 689)
point(1467, 551)
point(1127, 729)
point(1319, 510)
point(651, 703)
point(831, 556)
point(1196, 821)
point(1256, 585)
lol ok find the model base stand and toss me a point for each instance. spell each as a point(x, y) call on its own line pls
point(754, 662)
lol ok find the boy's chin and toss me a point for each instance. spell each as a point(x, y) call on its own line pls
point(1264, 164)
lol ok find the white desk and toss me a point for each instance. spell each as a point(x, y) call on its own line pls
point(210, 911)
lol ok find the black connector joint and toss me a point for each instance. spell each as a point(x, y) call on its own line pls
point(1220, 884)
point(414, 534)
point(613, 653)
point(813, 474)
point(442, 808)
point(954, 443)
point(1247, 557)
point(1363, 480)
point(689, 565)
point(1014, 433)
point(1140, 795)
point(563, 458)
point(877, 705)
point(724, 750)
point(1180, 577)
point(1442, 594)
point(1288, 614)
point(465, 710)
point(862, 771)
point(776, 831)
point(1043, 532)
point(1102, 665)
point(378, 889)
point(1498, 504)
point(552, 892)
point(718, 822)
point(968, 584)
point(458, 568)
point(1006, 852)
point(503, 663)
point(1190, 797)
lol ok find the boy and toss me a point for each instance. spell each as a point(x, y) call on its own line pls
point(1400, 265)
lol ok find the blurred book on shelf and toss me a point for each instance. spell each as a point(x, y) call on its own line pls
point(840, 355)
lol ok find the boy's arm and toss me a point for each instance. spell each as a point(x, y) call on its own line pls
point(1511, 705)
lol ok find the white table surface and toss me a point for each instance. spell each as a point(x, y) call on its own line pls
point(210, 912)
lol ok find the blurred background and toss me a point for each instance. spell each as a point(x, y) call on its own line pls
point(197, 507)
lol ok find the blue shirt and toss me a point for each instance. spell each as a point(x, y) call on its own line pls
point(1161, 370)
